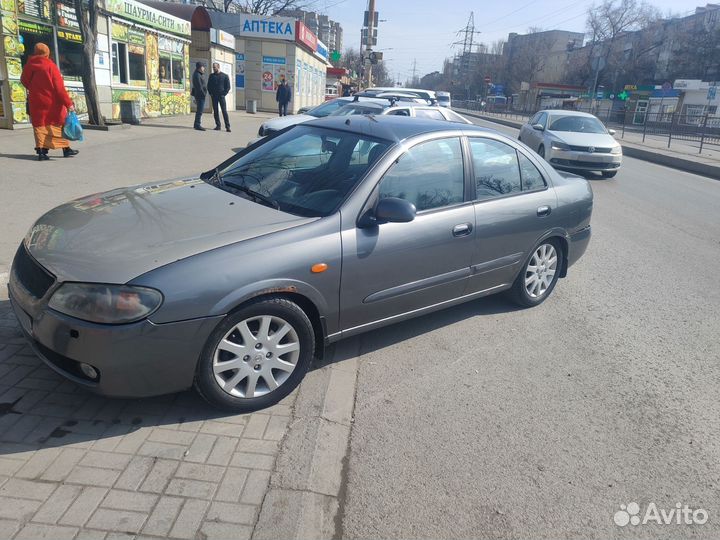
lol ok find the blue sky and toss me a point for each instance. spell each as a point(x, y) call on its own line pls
point(424, 30)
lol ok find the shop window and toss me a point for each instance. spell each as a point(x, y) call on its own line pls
point(166, 72)
point(172, 72)
point(33, 33)
point(70, 58)
point(136, 64)
point(119, 63)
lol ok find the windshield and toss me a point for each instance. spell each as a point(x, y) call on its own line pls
point(307, 171)
point(326, 109)
point(578, 124)
point(359, 108)
point(443, 99)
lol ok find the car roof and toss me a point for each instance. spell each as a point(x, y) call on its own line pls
point(566, 112)
point(392, 128)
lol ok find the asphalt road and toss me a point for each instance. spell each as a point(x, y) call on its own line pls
point(484, 421)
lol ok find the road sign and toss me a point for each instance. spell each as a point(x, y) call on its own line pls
point(488, 80)
point(667, 86)
point(612, 96)
point(712, 93)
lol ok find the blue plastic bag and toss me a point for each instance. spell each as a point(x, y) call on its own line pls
point(72, 130)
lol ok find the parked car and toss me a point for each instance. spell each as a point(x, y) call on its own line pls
point(395, 108)
point(573, 140)
point(427, 95)
point(233, 281)
point(443, 99)
point(392, 103)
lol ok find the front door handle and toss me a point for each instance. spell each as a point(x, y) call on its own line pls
point(543, 211)
point(462, 230)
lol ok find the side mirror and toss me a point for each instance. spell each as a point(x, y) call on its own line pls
point(611, 131)
point(394, 210)
point(389, 210)
point(538, 127)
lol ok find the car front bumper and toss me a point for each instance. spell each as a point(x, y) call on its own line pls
point(584, 161)
point(135, 360)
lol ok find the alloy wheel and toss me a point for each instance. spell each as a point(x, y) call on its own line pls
point(541, 270)
point(256, 356)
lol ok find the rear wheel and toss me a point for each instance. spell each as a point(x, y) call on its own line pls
point(539, 275)
point(608, 174)
point(256, 356)
point(541, 151)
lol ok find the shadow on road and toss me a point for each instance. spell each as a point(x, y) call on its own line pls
point(397, 333)
point(26, 157)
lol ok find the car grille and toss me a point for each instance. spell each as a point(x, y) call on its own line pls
point(31, 275)
point(587, 149)
point(592, 165)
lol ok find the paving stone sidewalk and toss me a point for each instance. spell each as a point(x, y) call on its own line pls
point(74, 465)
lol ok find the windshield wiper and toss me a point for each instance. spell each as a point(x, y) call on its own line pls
point(254, 194)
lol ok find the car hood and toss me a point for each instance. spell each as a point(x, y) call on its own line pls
point(115, 236)
point(599, 140)
point(282, 122)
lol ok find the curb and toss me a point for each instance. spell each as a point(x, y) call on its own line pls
point(681, 164)
point(307, 488)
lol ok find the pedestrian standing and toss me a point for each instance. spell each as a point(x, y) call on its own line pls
point(199, 92)
point(218, 87)
point(48, 103)
point(283, 96)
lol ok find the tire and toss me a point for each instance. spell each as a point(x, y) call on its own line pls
point(519, 292)
point(541, 151)
point(275, 368)
point(608, 174)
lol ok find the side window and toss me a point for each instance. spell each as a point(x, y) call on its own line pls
point(400, 112)
point(429, 175)
point(433, 114)
point(496, 168)
point(531, 177)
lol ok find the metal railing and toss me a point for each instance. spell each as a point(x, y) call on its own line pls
point(692, 128)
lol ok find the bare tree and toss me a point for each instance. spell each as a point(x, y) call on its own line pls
point(261, 7)
point(352, 59)
point(622, 35)
point(88, 20)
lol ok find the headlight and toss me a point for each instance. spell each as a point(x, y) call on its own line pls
point(616, 150)
point(557, 145)
point(106, 304)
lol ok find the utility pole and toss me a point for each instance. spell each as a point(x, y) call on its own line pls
point(368, 48)
point(468, 42)
point(414, 77)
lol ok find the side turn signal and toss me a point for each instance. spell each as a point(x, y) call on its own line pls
point(318, 268)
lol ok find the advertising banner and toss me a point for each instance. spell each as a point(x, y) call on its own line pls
point(267, 27)
point(273, 72)
point(135, 11)
point(305, 36)
point(239, 70)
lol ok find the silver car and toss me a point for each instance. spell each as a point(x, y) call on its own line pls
point(233, 281)
point(573, 141)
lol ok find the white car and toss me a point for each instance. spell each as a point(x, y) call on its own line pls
point(443, 99)
point(574, 141)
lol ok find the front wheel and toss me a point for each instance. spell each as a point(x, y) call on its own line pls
point(256, 356)
point(608, 174)
point(539, 275)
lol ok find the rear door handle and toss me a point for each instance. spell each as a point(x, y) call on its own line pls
point(462, 230)
point(543, 211)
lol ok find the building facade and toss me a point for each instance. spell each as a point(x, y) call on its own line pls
point(134, 44)
point(327, 30)
point(269, 50)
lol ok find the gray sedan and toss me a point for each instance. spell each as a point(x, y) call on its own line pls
point(572, 140)
point(234, 280)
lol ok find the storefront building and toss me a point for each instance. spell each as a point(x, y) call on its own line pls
point(142, 56)
point(208, 45)
point(269, 50)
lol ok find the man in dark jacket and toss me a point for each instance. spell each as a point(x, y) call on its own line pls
point(199, 91)
point(218, 87)
point(283, 96)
